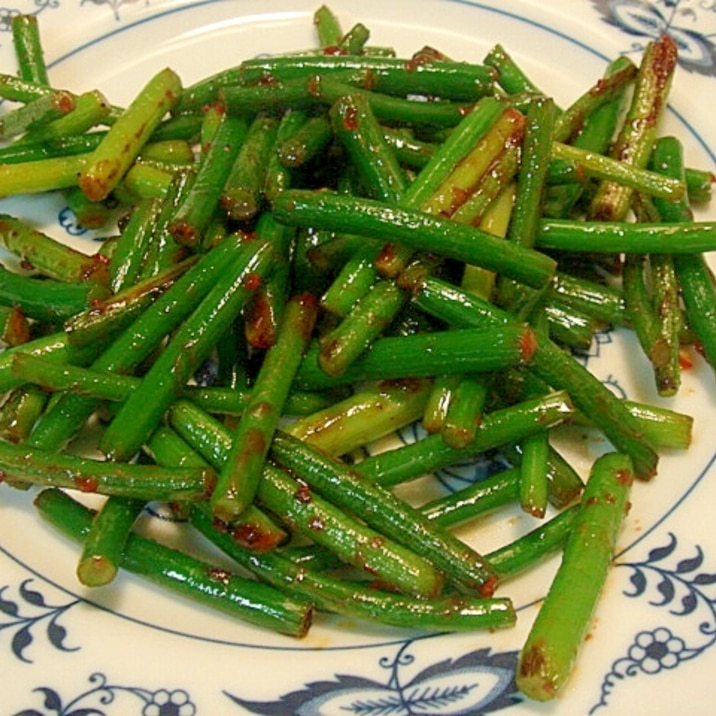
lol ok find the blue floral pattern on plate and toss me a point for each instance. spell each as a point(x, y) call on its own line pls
point(22, 616)
point(675, 593)
point(35, 8)
point(103, 698)
point(689, 22)
point(476, 683)
point(687, 590)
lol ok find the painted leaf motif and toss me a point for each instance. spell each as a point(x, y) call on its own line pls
point(689, 565)
point(666, 589)
point(368, 703)
point(375, 700)
point(638, 579)
point(8, 607)
point(633, 16)
point(704, 579)
point(20, 641)
point(696, 52)
point(478, 659)
point(57, 634)
point(30, 595)
point(659, 553)
point(688, 604)
point(457, 693)
point(312, 697)
point(52, 699)
point(689, 25)
point(475, 683)
point(493, 672)
point(53, 704)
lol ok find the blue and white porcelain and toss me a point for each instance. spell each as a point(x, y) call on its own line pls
point(133, 650)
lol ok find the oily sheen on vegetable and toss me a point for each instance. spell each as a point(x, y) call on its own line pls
point(306, 252)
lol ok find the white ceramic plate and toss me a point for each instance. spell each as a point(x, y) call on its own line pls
point(131, 649)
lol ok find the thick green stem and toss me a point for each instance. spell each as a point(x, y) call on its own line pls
point(548, 655)
point(199, 581)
